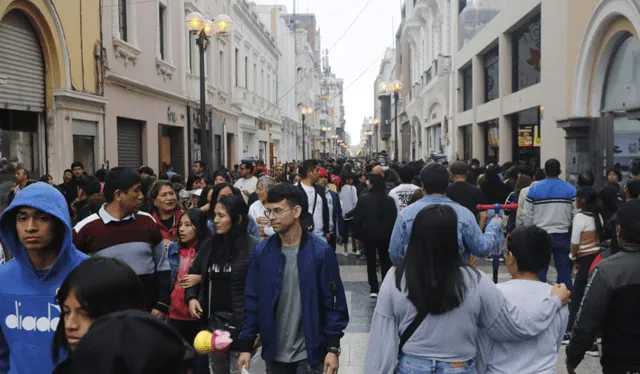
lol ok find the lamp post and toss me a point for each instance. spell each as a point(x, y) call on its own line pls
point(197, 24)
point(394, 88)
point(325, 130)
point(369, 133)
point(335, 147)
point(304, 111)
point(375, 122)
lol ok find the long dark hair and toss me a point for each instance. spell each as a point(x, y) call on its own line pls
point(432, 266)
point(216, 191)
point(199, 221)
point(224, 245)
point(204, 197)
point(590, 207)
point(102, 286)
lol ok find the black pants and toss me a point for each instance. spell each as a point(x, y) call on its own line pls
point(346, 229)
point(300, 367)
point(188, 330)
point(382, 248)
point(582, 278)
point(333, 240)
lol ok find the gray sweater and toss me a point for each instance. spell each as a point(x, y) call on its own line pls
point(450, 337)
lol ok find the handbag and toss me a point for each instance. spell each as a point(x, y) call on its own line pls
point(306, 220)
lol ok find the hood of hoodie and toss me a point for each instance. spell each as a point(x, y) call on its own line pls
point(48, 199)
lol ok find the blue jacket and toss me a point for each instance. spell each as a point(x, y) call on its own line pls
point(173, 255)
point(337, 213)
point(28, 314)
point(324, 305)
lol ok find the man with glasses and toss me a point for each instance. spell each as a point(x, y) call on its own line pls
point(247, 184)
point(299, 273)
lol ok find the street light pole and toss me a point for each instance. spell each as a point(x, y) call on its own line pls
point(304, 140)
point(395, 99)
point(204, 152)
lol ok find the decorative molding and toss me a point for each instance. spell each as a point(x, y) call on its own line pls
point(165, 69)
point(125, 50)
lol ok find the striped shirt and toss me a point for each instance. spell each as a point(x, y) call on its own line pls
point(584, 237)
point(135, 239)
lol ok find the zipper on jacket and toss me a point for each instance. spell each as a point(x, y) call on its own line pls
point(334, 294)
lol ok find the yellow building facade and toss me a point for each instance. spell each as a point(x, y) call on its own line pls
point(51, 96)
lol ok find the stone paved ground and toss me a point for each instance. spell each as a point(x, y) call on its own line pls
point(354, 344)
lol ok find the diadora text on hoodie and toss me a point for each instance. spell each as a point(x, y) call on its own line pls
point(28, 313)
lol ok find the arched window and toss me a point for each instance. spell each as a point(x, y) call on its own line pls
point(622, 85)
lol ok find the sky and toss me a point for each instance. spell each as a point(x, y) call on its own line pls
point(362, 45)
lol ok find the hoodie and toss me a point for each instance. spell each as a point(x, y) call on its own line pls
point(28, 314)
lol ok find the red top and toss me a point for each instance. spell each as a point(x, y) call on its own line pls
point(178, 309)
point(166, 233)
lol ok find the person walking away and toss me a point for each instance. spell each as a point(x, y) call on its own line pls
point(586, 235)
point(528, 250)
point(610, 303)
point(471, 240)
point(222, 264)
point(299, 274)
point(349, 198)
point(373, 220)
point(98, 286)
point(524, 180)
point(522, 197)
point(318, 219)
point(256, 210)
point(192, 234)
point(403, 192)
point(120, 230)
point(247, 183)
point(550, 205)
point(36, 228)
point(438, 305)
point(335, 209)
point(466, 194)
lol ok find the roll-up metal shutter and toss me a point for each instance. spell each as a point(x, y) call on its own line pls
point(129, 143)
point(21, 65)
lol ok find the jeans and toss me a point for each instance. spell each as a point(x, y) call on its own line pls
point(561, 250)
point(224, 364)
point(385, 262)
point(299, 367)
point(582, 278)
point(411, 365)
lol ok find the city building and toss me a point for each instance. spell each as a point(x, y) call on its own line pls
point(382, 118)
point(255, 72)
point(51, 95)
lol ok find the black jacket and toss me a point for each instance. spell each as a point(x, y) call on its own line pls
point(242, 252)
point(374, 217)
point(610, 304)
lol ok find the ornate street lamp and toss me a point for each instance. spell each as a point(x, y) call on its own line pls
point(304, 111)
point(197, 24)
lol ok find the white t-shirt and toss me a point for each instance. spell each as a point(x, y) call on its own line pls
point(312, 196)
point(256, 210)
point(402, 193)
point(246, 185)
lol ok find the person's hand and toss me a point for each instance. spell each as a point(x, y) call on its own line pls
point(562, 292)
point(244, 361)
point(257, 343)
point(190, 280)
point(195, 309)
point(158, 314)
point(262, 220)
point(570, 369)
point(246, 193)
point(167, 242)
point(498, 219)
point(327, 236)
point(331, 364)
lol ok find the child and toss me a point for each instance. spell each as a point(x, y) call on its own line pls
point(528, 250)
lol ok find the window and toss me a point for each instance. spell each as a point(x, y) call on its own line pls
point(161, 29)
point(462, 5)
point(246, 72)
point(123, 19)
point(262, 85)
point(255, 78)
point(221, 70)
point(527, 57)
point(492, 142)
point(491, 75)
point(467, 88)
point(268, 94)
point(237, 65)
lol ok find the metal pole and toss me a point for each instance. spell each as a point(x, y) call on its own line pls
point(204, 154)
point(303, 140)
point(324, 145)
point(395, 98)
point(377, 138)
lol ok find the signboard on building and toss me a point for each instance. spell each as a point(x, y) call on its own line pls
point(529, 136)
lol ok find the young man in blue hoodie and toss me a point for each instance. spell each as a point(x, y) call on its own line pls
point(36, 228)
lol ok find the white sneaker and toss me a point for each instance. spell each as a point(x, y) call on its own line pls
point(373, 295)
point(345, 254)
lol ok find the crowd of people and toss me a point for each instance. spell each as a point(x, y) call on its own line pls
point(142, 263)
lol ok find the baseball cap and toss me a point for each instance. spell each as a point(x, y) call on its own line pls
point(131, 342)
point(323, 172)
point(197, 192)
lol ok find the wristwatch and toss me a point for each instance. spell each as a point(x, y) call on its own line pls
point(334, 350)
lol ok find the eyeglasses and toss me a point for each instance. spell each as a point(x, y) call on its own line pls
point(276, 212)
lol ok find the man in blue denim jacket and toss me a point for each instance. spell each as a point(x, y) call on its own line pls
point(294, 296)
point(472, 241)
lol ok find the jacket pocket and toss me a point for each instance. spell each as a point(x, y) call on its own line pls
point(334, 294)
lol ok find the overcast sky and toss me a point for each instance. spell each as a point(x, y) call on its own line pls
point(365, 42)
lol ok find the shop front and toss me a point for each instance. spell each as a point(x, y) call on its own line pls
point(527, 124)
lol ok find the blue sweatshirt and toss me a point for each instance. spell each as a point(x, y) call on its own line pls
point(28, 313)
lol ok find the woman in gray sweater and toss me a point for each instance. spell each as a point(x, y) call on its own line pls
point(446, 304)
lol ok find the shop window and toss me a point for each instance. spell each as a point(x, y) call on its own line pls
point(467, 138)
point(467, 88)
point(527, 49)
point(492, 142)
point(491, 75)
point(529, 138)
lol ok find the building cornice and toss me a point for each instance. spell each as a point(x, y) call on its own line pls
point(258, 28)
point(144, 88)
